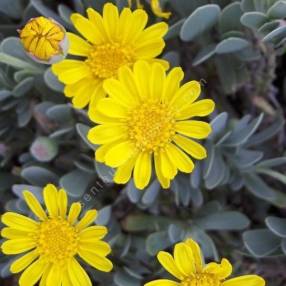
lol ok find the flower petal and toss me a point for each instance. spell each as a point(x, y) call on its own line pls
point(198, 258)
point(97, 247)
point(111, 108)
point(23, 262)
point(162, 282)
point(142, 170)
point(85, 27)
point(93, 232)
point(247, 280)
point(165, 182)
point(88, 218)
point(78, 46)
point(54, 277)
point(62, 203)
point(19, 222)
point(33, 273)
point(169, 170)
point(106, 133)
point(124, 172)
point(74, 212)
point(179, 158)
point(193, 128)
point(96, 261)
point(184, 259)
point(77, 274)
point(119, 154)
point(34, 205)
point(193, 148)
point(16, 246)
point(222, 270)
point(51, 199)
point(110, 20)
point(200, 108)
point(168, 262)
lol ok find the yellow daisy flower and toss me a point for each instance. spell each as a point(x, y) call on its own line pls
point(146, 118)
point(52, 242)
point(44, 40)
point(111, 41)
point(187, 265)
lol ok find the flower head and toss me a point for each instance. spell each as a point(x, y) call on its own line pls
point(188, 267)
point(44, 40)
point(110, 42)
point(52, 242)
point(146, 118)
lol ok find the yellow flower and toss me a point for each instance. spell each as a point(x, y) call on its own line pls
point(146, 118)
point(44, 39)
point(157, 10)
point(52, 242)
point(188, 267)
point(111, 41)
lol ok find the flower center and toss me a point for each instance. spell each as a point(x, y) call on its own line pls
point(106, 59)
point(57, 240)
point(151, 126)
point(202, 280)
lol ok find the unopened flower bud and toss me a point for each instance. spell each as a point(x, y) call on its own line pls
point(44, 40)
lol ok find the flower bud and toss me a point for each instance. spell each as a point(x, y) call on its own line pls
point(44, 40)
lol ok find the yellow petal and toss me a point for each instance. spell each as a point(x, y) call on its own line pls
point(157, 81)
point(23, 262)
point(19, 222)
point(152, 33)
point(85, 27)
point(200, 108)
point(172, 83)
point(119, 154)
point(51, 199)
point(71, 76)
point(74, 212)
point(142, 73)
point(111, 108)
point(19, 245)
point(119, 93)
point(168, 262)
point(83, 93)
point(150, 49)
point(62, 203)
point(184, 259)
point(106, 133)
point(78, 46)
point(93, 232)
point(96, 261)
point(110, 20)
point(162, 282)
point(193, 148)
point(126, 77)
point(97, 247)
point(169, 170)
point(198, 259)
point(46, 273)
point(142, 170)
point(124, 172)
point(54, 277)
point(65, 279)
point(77, 274)
point(87, 219)
point(165, 182)
point(247, 280)
point(34, 205)
point(193, 128)
point(180, 159)
point(187, 94)
point(33, 273)
point(222, 270)
point(96, 19)
point(11, 233)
